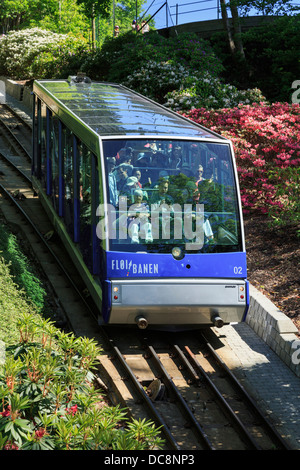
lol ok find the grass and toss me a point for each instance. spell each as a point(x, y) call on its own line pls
point(20, 289)
point(47, 396)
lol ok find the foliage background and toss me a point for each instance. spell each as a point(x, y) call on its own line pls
point(247, 99)
point(50, 39)
point(272, 60)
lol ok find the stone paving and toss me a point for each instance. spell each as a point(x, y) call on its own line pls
point(266, 377)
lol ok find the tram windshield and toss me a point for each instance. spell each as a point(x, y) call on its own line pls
point(169, 195)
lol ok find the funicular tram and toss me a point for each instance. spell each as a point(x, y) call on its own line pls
point(145, 201)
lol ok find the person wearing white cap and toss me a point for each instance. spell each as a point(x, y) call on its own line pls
point(138, 216)
point(130, 184)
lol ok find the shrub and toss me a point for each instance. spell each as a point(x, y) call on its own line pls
point(272, 57)
point(209, 92)
point(120, 57)
point(48, 401)
point(13, 303)
point(287, 190)
point(266, 143)
point(36, 53)
point(20, 270)
point(156, 79)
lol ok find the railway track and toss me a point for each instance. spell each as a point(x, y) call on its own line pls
point(193, 393)
point(15, 133)
point(178, 381)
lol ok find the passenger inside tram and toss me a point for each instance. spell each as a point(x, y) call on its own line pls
point(175, 178)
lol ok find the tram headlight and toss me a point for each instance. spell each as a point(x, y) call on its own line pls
point(177, 252)
point(116, 294)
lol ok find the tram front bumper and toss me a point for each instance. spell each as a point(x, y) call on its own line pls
point(178, 302)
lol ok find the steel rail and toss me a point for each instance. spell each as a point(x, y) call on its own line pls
point(168, 382)
point(26, 122)
point(269, 428)
point(8, 160)
point(239, 426)
point(138, 386)
point(15, 139)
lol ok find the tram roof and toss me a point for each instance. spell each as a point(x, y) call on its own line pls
point(113, 110)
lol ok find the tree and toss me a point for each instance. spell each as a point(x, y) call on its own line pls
point(227, 28)
point(267, 7)
point(93, 8)
point(275, 7)
point(111, 12)
point(237, 29)
point(62, 16)
point(234, 40)
point(12, 13)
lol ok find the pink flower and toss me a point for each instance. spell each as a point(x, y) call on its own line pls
point(10, 446)
point(40, 433)
point(6, 411)
point(264, 137)
point(259, 162)
point(72, 410)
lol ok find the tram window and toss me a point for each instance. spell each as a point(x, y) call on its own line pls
point(85, 185)
point(175, 180)
point(68, 180)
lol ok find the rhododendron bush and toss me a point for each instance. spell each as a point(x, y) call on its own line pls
point(38, 53)
point(266, 140)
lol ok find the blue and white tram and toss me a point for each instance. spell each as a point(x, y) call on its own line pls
point(146, 202)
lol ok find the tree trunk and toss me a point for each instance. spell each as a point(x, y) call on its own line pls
point(237, 30)
point(227, 28)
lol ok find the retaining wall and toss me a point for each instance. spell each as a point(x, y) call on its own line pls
point(275, 328)
point(18, 91)
point(206, 29)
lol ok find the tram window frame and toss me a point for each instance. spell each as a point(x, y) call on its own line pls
point(48, 154)
point(54, 161)
point(43, 145)
point(37, 132)
point(68, 190)
point(61, 186)
point(88, 188)
point(96, 197)
point(84, 177)
point(76, 191)
point(217, 194)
